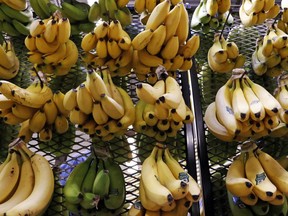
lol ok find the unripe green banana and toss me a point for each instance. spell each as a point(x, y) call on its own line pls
point(94, 12)
point(88, 181)
point(102, 183)
point(89, 201)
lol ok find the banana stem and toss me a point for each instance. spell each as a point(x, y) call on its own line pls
point(226, 21)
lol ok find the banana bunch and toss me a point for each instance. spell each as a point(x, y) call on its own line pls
point(109, 45)
point(256, 12)
point(27, 182)
point(37, 109)
point(145, 7)
point(96, 185)
point(161, 110)
point(270, 56)
point(9, 62)
point(211, 14)
point(223, 56)
point(165, 41)
point(50, 49)
point(283, 21)
point(99, 107)
point(257, 179)
point(80, 14)
point(242, 109)
point(165, 188)
point(15, 17)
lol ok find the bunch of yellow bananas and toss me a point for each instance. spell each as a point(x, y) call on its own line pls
point(164, 41)
point(108, 45)
point(36, 108)
point(50, 49)
point(255, 12)
point(161, 110)
point(282, 23)
point(271, 54)
point(210, 15)
point(145, 8)
point(9, 62)
point(224, 56)
point(242, 110)
point(165, 187)
point(27, 181)
point(255, 176)
point(99, 107)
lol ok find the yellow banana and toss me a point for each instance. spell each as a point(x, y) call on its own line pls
point(172, 21)
point(61, 124)
point(23, 112)
point(70, 99)
point(38, 121)
point(84, 99)
point(157, 40)
point(170, 49)
point(89, 41)
point(141, 40)
point(64, 30)
point(182, 30)
point(51, 31)
point(113, 49)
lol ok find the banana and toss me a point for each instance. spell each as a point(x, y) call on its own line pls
point(111, 107)
point(25, 97)
point(115, 30)
point(61, 124)
point(257, 110)
point(101, 30)
point(58, 98)
point(7, 55)
point(25, 185)
point(117, 190)
point(177, 187)
point(77, 117)
point(247, 20)
point(11, 119)
point(149, 115)
point(240, 106)
point(30, 43)
point(84, 99)
point(271, 122)
point(224, 110)
point(57, 56)
point(269, 102)
point(279, 199)
point(71, 55)
point(172, 21)
point(179, 114)
point(38, 201)
point(51, 111)
point(76, 12)
point(173, 94)
point(125, 42)
point(273, 11)
point(250, 200)
point(182, 31)
point(45, 134)
point(94, 12)
point(113, 49)
point(195, 21)
point(191, 47)
point(142, 39)
point(155, 191)
point(87, 184)
point(51, 31)
point(237, 208)
point(37, 121)
point(274, 171)
point(170, 49)
point(5, 103)
point(136, 209)
point(178, 62)
point(158, 15)
point(224, 67)
point(101, 183)
point(139, 124)
point(99, 115)
point(148, 93)
point(149, 60)
point(267, 46)
point(23, 112)
point(70, 99)
point(236, 182)
point(157, 40)
point(9, 177)
point(24, 132)
point(263, 187)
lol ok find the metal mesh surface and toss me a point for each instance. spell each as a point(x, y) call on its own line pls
point(65, 151)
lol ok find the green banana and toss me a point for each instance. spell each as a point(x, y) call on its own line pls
point(53, 8)
point(10, 29)
point(75, 29)
point(237, 207)
point(124, 16)
point(86, 27)
point(20, 27)
point(37, 9)
point(72, 188)
point(89, 201)
point(43, 4)
point(261, 208)
point(75, 12)
point(111, 7)
point(103, 11)
point(94, 12)
point(24, 17)
point(101, 183)
point(4, 17)
point(88, 181)
point(117, 190)
point(73, 208)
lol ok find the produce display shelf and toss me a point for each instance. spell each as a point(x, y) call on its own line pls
point(66, 151)
point(215, 155)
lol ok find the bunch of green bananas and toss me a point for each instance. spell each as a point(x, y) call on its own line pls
point(76, 12)
point(256, 12)
point(271, 53)
point(164, 41)
point(165, 187)
point(27, 181)
point(211, 15)
point(50, 47)
point(96, 185)
point(9, 62)
point(36, 108)
point(242, 110)
point(15, 21)
point(253, 180)
point(99, 107)
point(161, 111)
point(108, 45)
point(224, 56)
